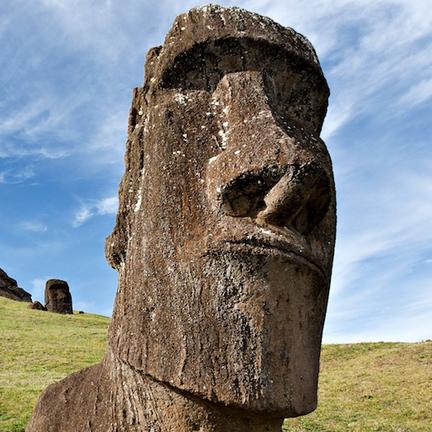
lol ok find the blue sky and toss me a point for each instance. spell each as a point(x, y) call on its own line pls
point(66, 75)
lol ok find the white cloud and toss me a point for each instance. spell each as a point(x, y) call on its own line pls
point(91, 209)
point(107, 205)
point(417, 94)
point(81, 216)
point(41, 125)
point(378, 290)
point(88, 25)
point(18, 118)
point(109, 137)
point(385, 226)
point(33, 226)
point(16, 176)
point(9, 150)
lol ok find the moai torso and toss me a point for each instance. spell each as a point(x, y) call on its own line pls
point(224, 236)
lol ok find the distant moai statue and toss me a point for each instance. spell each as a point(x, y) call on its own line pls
point(58, 297)
point(223, 242)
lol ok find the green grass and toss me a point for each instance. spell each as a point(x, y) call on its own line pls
point(363, 387)
point(372, 387)
point(38, 348)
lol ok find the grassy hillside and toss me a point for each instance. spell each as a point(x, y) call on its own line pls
point(363, 387)
point(372, 387)
point(38, 348)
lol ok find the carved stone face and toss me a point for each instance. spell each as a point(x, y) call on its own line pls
point(225, 233)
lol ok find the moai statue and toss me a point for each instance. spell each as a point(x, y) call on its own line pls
point(58, 297)
point(223, 242)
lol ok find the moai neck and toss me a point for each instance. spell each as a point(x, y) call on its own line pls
point(162, 408)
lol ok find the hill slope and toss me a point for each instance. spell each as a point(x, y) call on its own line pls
point(38, 348)
point(363, 387)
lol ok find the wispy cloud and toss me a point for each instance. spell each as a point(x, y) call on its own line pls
point(91, 209)
point(385, 227)
point(39, 125)
point(33, 226)
point(10, 176)
point(380, 280)
point(108, 138)
point(417, 94)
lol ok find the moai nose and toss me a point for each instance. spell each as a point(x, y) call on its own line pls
point(285, 186)
point(296, 197)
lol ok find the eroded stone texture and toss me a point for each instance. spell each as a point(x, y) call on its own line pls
point(58, 297)
point(223, 241)
point(10, 289)
point(37, 305)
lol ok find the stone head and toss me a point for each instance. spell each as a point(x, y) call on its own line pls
point(225, 232)
point(58, 297)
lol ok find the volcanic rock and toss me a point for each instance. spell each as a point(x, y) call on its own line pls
point(38, 306)
point(9, 288)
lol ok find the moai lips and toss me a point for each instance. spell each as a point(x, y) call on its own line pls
point(224, 237)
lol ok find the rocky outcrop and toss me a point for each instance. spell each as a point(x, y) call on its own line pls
point(223, 241)
point(37, 306)
point(58, 297)
point(9, 288)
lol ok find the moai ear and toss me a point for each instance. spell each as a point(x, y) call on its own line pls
point(151, 64)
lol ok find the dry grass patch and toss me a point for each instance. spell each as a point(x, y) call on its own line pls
point(372, 387)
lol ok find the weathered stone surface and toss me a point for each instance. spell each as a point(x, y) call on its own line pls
point(37, 305)
point(58, 297)
point(223, 241)
point(9, 288)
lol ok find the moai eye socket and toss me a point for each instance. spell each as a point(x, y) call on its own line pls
point(202, 67)
point(296, 92)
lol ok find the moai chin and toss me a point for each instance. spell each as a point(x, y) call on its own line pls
point(223, 242)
